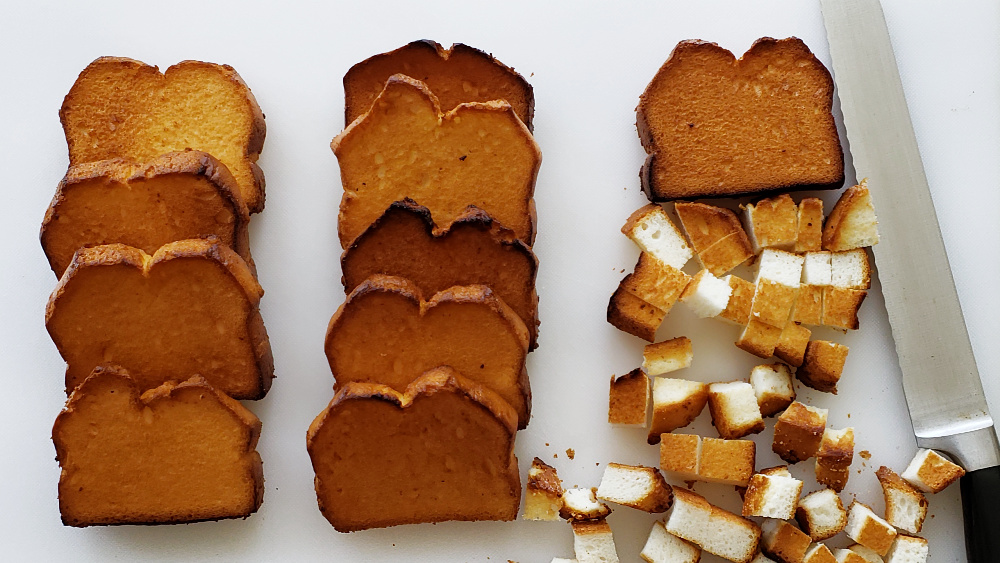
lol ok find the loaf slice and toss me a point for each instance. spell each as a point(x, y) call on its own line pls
point(475, 154)
point(473, 249)
point(441, 450)
point(457, 75)
point(387, 333)
point(190, 308)
point(181, 452)
point(122, 108)
point(175, 196)
point(715, 126)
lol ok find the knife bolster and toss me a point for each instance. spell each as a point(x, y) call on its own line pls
point(973, 450)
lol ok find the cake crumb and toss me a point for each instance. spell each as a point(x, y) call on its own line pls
point(865, 454)
point(570, 453)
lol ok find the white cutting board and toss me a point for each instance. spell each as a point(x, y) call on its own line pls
point(588, 63)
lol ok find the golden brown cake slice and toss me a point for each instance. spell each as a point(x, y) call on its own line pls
point(181, 452)
point(478, 154)
point(387, 333)
point(473, 249)
point(190, 308)
point(717, 126)
point(122, 108)
point(175, 196)
point(441, 450)
point(456, 75)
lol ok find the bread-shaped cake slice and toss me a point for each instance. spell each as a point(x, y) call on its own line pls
point(181, 452)
point(472, 249)
point(174, 196)
point(478, 153)
point(385, 332)
point(441, 450)
point(190, 308)
point(457, 75)
point(716, 126)
point(123, 108)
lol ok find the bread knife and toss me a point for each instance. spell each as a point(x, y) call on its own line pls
point(940, 381)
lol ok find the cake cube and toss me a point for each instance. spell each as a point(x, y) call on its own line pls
point(866, 528)
point(706, 295)
point(798, 432)
point(783, 541)
point(810, 225)
point(857, 553)
point(667, 356)
point(761, 558)
point(680, 455)
point(852, 222)
point(635, 486)
point(716, 235)
point(715, 530)
point(543, 496)
point(728, 462)
point(822, 365)
point(840, 307)
point(908, 549)
point(781, 267)
point(628, 399)
point(931, 473)
point(581, 504)
point(737, 311)
point(593, 542)
point(834, 457)
point(819, 553)
point(656, 282)
point(630, 314)
point(772, 493)
point(773, 303)
point(734, 409)
point(772, 385)
point(676, 403)
point(772, 223)
point(808, 305)
point(759, 339)
point(850, 269)
point(651, 229)
point(821, 514)
point(817, 268)
point(664, 547)
point(792, 344)
point(905, 506)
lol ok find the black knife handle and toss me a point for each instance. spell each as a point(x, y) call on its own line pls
point(981, 507)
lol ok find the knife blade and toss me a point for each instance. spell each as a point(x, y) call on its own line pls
point(941, 383)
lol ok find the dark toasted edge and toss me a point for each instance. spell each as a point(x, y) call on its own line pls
point(440, 51)
point(224, 257)
point(473, 218)
point(455, 294)
point(165, 393)
point(547, 481)
point(255, 137)
point(190, 162)
point(440, 379)
point(646, 179)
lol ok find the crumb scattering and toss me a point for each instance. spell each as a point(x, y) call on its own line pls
point(570, 453)
point(865, 454)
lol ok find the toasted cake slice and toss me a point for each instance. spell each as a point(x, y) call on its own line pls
point(122, 108)
point(181, 452)
point(387, 333)
point(715, 126)
point(190, 308)
point(456, 75)
point(441, 450)
point(478, 153)
point(174, 196)
point(473, 249)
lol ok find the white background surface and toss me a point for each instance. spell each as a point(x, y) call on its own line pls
point(588, 63)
